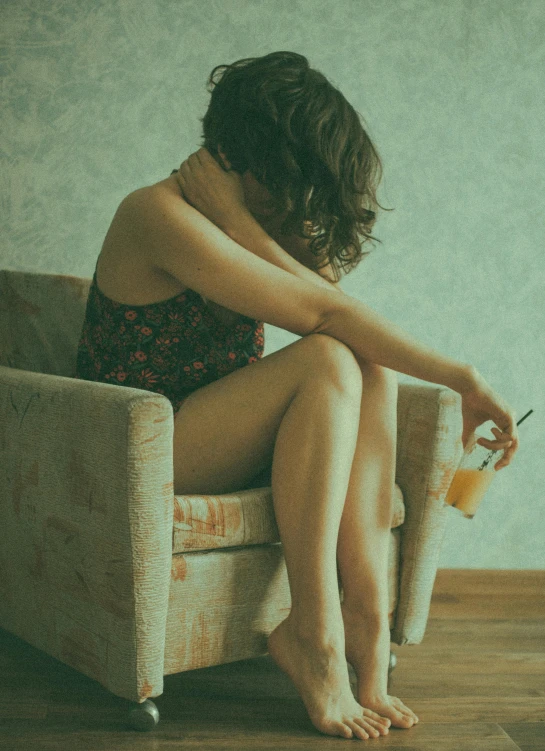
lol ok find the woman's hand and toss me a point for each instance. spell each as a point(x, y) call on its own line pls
point(481, 403)
point(215, 192)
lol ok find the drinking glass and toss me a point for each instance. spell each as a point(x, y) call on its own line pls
point(473, 477)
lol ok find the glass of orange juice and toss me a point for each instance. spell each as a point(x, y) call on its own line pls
point(473, 477)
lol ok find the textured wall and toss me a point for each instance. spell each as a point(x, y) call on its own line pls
point(101, 97)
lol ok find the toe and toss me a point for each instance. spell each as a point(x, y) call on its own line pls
point(357, 729)
point(406, 719)
point(332, 727)
point(401, 719)
point(368, 713)
point(405, 710)
point(368, 726)
point(379, 726)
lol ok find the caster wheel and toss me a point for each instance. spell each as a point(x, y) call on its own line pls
point(144, 716)
point(393, 662)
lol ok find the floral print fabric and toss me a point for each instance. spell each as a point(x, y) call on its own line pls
point(172, 347)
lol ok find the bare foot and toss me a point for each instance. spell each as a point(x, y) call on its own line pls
point(320, 675)
point(367, 648)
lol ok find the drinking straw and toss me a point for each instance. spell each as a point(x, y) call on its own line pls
point(495, 451)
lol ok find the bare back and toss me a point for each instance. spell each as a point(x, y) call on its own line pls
point(125, 271)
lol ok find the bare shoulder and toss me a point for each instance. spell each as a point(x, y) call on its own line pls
point(143, 210)
point(141, 213)
point(162, 189)
point(126, 271)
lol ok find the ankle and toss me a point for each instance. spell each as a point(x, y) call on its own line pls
point(321, 636)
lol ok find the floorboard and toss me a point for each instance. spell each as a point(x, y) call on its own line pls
point(477, 682)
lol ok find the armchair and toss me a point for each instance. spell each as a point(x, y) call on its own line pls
point(105, 569)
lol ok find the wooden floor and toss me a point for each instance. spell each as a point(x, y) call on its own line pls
point(477, 683)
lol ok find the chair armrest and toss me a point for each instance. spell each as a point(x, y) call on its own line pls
point(87, 504)
point(429, 449)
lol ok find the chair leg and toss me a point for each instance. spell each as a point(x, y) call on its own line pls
point(391, 666)
point(144, 716)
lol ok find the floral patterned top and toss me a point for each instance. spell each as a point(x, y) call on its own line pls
point(172, 347)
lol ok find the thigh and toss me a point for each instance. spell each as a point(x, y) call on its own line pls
point(225, 432)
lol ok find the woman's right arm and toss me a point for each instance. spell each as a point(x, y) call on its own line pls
point(380, 341)
point(191, 241)
point(178, 239)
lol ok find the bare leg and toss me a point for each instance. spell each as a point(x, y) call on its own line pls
point(311, 466)
point(363, 542)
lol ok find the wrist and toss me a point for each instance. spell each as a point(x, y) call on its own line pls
point(462, 377)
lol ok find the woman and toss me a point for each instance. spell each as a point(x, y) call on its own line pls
point(255, 227)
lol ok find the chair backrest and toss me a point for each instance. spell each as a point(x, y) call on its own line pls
point(41, 317)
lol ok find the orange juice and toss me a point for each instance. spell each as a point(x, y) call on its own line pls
point(468, 488)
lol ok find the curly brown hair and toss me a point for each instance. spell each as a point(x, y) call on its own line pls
point(297, 134)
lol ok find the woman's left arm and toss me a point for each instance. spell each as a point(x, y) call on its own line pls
point(298, 249)
point(288, 252)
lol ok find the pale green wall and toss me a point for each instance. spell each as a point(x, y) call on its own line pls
point(103, 96)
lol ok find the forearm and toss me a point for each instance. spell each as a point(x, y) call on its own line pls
point(378, 340)
point(369, 335)
point(247, 231)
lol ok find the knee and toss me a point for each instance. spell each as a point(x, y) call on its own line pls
point(332, 359)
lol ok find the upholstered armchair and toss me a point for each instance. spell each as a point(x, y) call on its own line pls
point(107, 570)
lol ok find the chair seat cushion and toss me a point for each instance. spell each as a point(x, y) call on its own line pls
point(208, 522)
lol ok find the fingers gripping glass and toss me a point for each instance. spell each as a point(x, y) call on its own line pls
point(473, 476)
